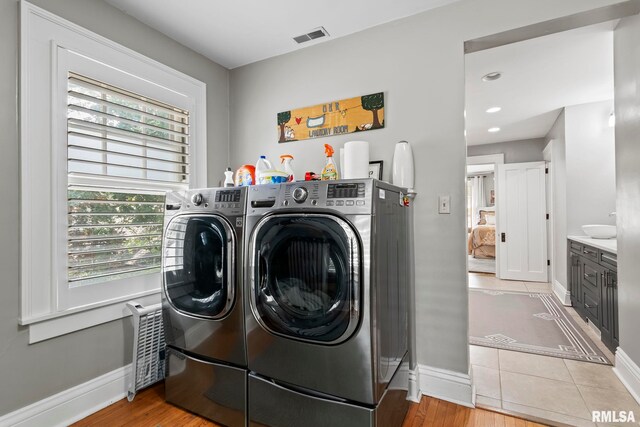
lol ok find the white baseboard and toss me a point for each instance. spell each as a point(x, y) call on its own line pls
point(72, 404)
point(414, 394)
point(562, 293)
point(447, 385)
point(596, 330)
point(628, 372)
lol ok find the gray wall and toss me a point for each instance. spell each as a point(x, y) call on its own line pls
point(419, 63)
point(559, 182)
point(527, 150)
point(591, 165)
point(583, 174)
point(627, 76)
point(32, 372)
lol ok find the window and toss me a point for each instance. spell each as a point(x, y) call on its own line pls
point(105, 133)
point(117, 136)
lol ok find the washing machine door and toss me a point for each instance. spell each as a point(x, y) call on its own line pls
point(306, 277)
point(198, 256)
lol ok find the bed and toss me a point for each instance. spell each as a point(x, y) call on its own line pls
point(482, 239)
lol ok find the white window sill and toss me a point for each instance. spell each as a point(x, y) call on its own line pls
point(65, 324)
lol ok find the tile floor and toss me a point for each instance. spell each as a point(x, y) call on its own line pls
point(490, 281)
point(559, 390)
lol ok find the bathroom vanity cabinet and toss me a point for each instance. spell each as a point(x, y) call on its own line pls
point(593, 284)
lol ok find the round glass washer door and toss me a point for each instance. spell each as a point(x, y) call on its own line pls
point(306, 277)
point(198, 273)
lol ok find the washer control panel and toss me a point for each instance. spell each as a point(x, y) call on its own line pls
point(229, 201)
point(351, 190)
point(226, 199)
point(347, 196)
point(300, 194)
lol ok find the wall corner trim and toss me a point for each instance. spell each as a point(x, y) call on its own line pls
point(562, 293)
point(447, 385)
point(73, 404)
point(414, 393)
point(628, 372)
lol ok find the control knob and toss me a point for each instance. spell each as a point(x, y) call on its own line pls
point(300, 194)
point(197, 199)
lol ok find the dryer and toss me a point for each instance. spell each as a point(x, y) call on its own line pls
point(327, 280)
point(202, 303)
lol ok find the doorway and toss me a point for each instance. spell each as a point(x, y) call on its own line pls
point(481, 213)
point(526, 345)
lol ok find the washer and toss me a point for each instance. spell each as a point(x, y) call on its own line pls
point(327, 278)
point(202, 302)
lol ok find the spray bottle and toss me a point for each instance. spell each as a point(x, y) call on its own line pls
point(330, 171)
point(285, 160)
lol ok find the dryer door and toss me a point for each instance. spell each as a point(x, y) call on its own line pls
point(198, 256)
point(306, 277)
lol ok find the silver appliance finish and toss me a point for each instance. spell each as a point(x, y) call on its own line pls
point(212, 390)
point(219, 337)
point(356, 363)
point(268, 400)
point(202, 266)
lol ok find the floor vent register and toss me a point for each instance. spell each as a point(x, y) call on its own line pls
point(149, 348)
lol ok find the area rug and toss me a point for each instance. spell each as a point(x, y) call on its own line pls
point(481, 265)
point(528, 322)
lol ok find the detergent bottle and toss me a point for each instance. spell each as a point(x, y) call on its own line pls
point(285, 160)
point(246, 176)
point(228, 178)
point(263, 165)
point(330, 171)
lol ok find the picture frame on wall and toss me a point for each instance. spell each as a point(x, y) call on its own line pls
point(375, 169)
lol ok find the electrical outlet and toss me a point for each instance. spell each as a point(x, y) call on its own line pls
point(444, 204)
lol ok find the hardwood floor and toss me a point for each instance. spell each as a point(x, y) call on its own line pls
point(149, 409)
point(435, 412)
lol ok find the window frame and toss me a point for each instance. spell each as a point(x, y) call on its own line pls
point(51, 45)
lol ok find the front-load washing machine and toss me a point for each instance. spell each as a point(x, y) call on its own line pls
point(202, 303)
point(327, 280)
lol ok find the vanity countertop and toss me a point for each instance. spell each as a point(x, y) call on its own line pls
point(609, 245)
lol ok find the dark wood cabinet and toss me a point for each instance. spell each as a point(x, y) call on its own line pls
point(573, 276)
point(609, 297)
point(593, 284)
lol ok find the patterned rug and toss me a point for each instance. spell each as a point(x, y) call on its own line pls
point(528, 322)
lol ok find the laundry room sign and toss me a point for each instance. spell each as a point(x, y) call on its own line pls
point(357, 114)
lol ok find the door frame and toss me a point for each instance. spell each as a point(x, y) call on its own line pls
point(547, 155)
point(496, 159)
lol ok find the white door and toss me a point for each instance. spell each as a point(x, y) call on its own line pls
point(521, 231)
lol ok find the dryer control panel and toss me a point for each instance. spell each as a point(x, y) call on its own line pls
point(226, 201)
point(346, 196)
point(349, 197)
point(349, 190)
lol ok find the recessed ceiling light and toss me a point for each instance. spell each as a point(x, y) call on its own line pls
point(494, 130)
point(494, 109)
point(491, 76)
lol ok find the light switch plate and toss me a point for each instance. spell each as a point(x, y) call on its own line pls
point(444, 204)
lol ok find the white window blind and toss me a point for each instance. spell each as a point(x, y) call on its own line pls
point(124, 151)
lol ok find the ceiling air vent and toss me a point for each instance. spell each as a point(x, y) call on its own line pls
point(312, 35)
